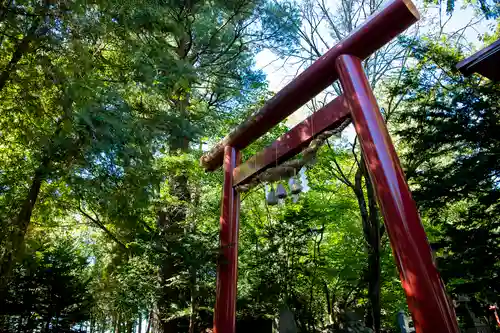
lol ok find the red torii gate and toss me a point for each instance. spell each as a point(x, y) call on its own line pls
point(431, 309)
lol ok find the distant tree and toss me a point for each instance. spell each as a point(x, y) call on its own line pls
point(48, 290)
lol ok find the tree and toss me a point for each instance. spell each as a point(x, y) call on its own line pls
point(108, 85)
point(67, 83)
point(48, 290)
point(448, 125)
point(219, 58)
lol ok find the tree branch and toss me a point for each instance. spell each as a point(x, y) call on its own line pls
point(98, 223)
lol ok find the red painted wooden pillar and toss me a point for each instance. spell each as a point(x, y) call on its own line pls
point(227, 267)
point(427, 298)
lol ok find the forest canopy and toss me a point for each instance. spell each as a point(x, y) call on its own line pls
point(109, 223)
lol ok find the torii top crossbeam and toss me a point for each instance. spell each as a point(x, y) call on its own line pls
point(431, 309)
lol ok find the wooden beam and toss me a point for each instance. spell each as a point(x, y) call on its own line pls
point(289, 144)
point(227, 266)
point(484, 62)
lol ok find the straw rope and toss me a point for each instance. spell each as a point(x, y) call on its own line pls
point(290, 168)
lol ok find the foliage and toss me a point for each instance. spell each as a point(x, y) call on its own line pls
point(449, 129)
point(110, 225)
point(49, 288)
point(489, 8)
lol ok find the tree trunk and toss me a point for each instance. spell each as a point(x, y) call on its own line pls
point(170, 221)
point(329, 305)
point(116, 324)
point(21, 224)
point(56, 330)
point(139, 329)
point(194, 310)
point(374, 255)
point(23, 47)
point(47, 323)
point(148, 328)
point(20, 324)
point(170, 224)
point(24, 217)
point(371, 231)
point(32, 324)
